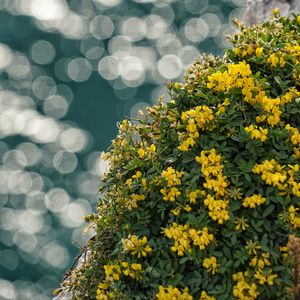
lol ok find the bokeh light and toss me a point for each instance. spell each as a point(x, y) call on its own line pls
point(42, 52)
point(68, 71)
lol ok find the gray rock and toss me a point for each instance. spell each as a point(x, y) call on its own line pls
point(79, 261)
point(260, 10)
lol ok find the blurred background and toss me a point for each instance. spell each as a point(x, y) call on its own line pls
point(69, 70)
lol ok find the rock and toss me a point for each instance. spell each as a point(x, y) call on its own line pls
point(260, 10)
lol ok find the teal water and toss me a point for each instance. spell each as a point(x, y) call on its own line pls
point(57, 113)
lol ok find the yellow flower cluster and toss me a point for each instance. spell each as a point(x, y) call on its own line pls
point(218, 209)
point(257, 132)
point(211, 264)
point(201, 238)
point(265, 277)
point(224, 81)
point(212, 169)
point(186, 143)
point(195, 194)
point(249, 50)
point(197, 119)
point(184, 237)
point(170, 194)
point(172, 178)
point(262, 275)
point(103, 293)
point(176, 211)
point(137, 247)
point(146, 152)
point(221, 107)
point(294, 219)
point(296, 154)
point(294, 184)
point(132, 202)
point(284, 251)
point(181, 237)
point(173, 293)
point(252, 247)
point(204, 296)
point(272, 173)
point(294, 51)
point(275, 174)
point(241, 223)
point(114, 271)
point(270, 106)
point(137, 175)
point(289, 96)
point(276, 60)
point(260, 262)
point(244, 289)
point(253, 201)
point(240, 76)
point(132, 270)
point(243, 52)
point(295, 134)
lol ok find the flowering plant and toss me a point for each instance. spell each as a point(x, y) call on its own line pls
point(203, 192)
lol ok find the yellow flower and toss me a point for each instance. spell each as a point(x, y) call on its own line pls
point(137, 247)
point(237, 51)
point(138, 174)
point(259, 51)
point(170, 194)
point(276, 12)
point(204, 296)
point(253, 201)
point(112, 271)
point(134, 270)
point(172, 176)
point(294, 219)
point(257, 132)
point(260, 262)
point(173, 293)
point(273, 60)
point(176, 211)
point(102, 294)
point(218, 209)
point(211, 168)
point(136, 267)
point(141, 153)
point(266, 277)
point(129, 182)
point(272, 173)
point(244, 288)
point(184, 237)
point(133, 200)
point(211, 264)
point(241, 223)
point(252, 247)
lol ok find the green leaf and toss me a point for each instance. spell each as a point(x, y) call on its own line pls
point(268, 210)
point(185, 259)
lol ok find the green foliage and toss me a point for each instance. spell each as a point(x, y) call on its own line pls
point(203, 191)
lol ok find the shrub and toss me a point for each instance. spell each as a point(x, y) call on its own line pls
point(203, 191)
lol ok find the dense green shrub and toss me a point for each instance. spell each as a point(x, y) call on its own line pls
point(204, 190)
